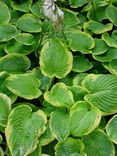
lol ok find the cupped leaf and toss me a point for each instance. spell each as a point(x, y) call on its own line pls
point(111, 129)
point(47, 137)
point(113, 66)
point(109, 55)
point(69, 147)
point(80, 41)
point(78, 92)
point(24, 85)
point(55, 59)
point(100, 47)
point(60, 124)
point(59, 96)
point(77, 80)
point(21, 48)
point(81, 64)
point(110, 41)
point(4, 13)
point(37, 151)
point(14, 63)
point(23, 6)
point(23, 130)
point(111, 13)
point(84, 118)
point(97, 27)
point(77, 3)
point(29, 23)
point(70, 18)
point(7, 32)
point(5, 108)
point(98, 143)
point(102, 92)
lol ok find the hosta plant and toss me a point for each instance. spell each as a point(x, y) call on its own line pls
point(58, 78)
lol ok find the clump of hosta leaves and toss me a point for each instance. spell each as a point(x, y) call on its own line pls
point(58, 78)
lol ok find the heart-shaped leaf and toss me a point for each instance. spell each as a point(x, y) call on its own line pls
point(102, 92)
point(77, 3)
point(80, 41)
point(84, 118)
point(111, 129)
point(23, 129)
point(59, 96)
point(24, 85)
point(14, 63)
point(60, 124)
point(98, 143)
point(55, 59)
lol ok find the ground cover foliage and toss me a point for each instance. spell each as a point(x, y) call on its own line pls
point(58, 78)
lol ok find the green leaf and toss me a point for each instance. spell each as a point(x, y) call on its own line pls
point(23, 129)
point(100, 47)
point(108, 56)
point(98, 143)
point(24, 85)
point(37, 152)
point(111, 129)
point(84, 118)
point(1, 152)
point(29, 23)
point(97, 27)
point(7, 32)
point(60, 124)
point(59, 96)
point(23, 6)
point(102, 92)
point(81, 64)
point(77, 80)
point(69, 147)
point(55, 59)
point(80, 41)
point(47, 137)
point(78, 92)
point(5, 108)
point(113, 66)
point(14, 63)
point(111, 13)
point(77, 3)
point(70, 18)
point(4, 13)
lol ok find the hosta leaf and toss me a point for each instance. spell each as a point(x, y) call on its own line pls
point(24, 85)
point(102, 92)
point(23, 6)
point(77, 3)
point(1, 152)
point(98, 143)
point(29, 23)
point(81, 64)
point(60, 124)
point(59, 96)
point(108, 56)
point(100, 47)
point(111, 13)
point(111, 129)
point(36, 8)
point(113, 66)
point(5, 108)
point(4, 13)
point(7, 32)
point(14, 63)
point(23, 129)
point(69, 147)
point(78, 92)
point(97, 27)
point(80, 41)
point(55, 59)
point(70, 18)
point(110, 41)
point(84, 118)
point(25, 38)
point(47, 137)
point(77, 80)
point(17, 47)
point(37, 152)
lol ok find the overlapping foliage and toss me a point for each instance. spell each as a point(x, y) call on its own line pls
point(58, 78)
